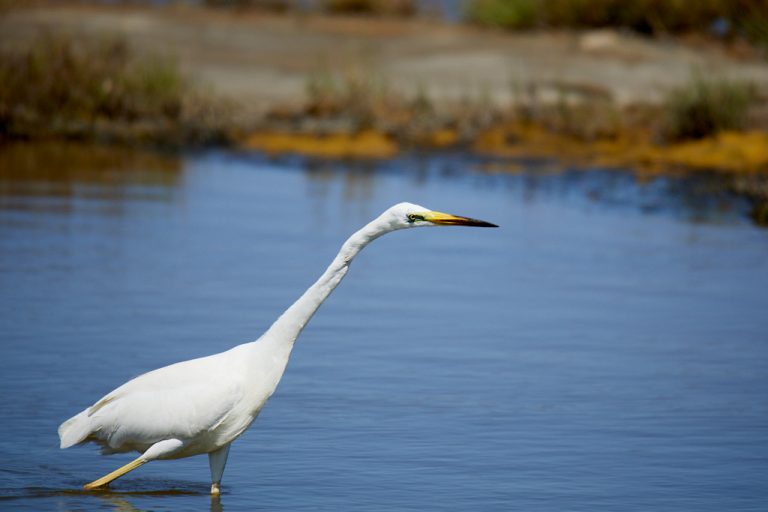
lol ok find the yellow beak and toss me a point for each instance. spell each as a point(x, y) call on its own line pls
point(446, 219)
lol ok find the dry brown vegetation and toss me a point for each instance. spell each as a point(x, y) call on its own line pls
point(63, 86)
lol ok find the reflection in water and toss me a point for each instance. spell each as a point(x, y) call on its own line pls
point(700, 197)
point(359, 178)
point(60, 174)
point(132, 501)
point(120, 502)
point(55, 176)
point(124, 500)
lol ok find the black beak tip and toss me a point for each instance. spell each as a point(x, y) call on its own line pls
point(481, 223)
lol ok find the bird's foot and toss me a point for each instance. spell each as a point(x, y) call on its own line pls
point(215, 489)
point(92, 487)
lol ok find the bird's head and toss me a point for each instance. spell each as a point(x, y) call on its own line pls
point(409, 215)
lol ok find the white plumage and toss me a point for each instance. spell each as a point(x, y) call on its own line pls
point(201, 405)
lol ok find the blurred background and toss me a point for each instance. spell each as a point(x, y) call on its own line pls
point(173, 174)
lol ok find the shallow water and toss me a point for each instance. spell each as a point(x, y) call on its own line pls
point(605, 349)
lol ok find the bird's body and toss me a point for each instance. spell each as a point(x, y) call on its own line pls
point(233, 385)
point(201, 405)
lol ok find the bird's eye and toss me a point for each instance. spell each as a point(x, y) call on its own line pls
point(412, 217)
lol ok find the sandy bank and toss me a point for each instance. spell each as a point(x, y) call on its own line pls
point(261, 59)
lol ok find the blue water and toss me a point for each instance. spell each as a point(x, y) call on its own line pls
point(605, 349)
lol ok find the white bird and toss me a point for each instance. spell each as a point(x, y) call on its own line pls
point(202, 405)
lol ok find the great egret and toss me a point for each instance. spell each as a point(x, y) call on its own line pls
point(202, 405)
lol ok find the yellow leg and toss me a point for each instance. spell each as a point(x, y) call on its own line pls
point(103, 481)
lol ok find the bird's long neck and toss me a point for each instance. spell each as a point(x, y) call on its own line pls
point(289, 325)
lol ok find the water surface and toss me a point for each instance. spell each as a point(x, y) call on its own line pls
point(605, 349)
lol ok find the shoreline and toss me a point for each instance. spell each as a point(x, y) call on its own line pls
point(340, 87)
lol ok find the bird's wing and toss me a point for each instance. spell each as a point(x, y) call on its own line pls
point(145, 417)
point(183, 401)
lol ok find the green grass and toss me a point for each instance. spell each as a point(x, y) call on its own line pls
point(736, 18)
point(519, 14)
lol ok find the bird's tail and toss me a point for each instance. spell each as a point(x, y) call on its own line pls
point(75, 430)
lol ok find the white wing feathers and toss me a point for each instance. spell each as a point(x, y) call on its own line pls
point(182, 401)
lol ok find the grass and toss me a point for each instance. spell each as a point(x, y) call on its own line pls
point(62, 86)
point(358, 97)
point(521, 14)
point(724, 18)
point(704, 107)
point(359, 101)
point(397, 8)
point(701, 109)
point(402, 8)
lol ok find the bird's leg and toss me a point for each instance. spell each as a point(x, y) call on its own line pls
point(217, 460)
point(156, 451)
point(106, 479)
